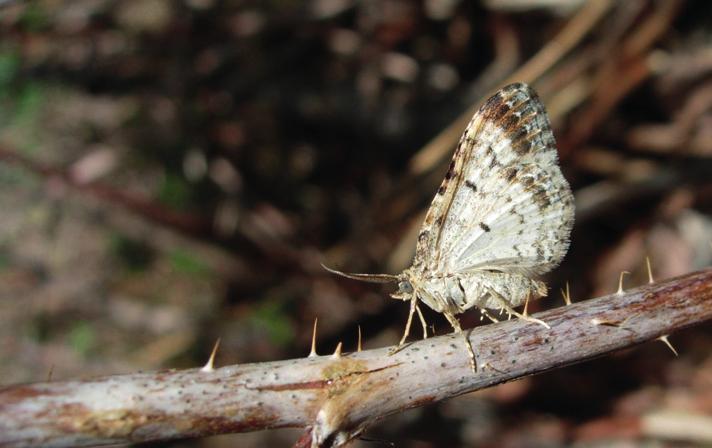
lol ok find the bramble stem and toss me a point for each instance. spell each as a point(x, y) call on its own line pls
point(336, 398)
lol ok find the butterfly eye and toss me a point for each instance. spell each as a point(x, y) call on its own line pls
point(405, 287)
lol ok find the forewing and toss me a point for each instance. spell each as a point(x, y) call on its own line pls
point(504, 204)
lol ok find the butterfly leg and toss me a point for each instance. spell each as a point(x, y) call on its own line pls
point(456, 326)
point(486, 314)
point(422, 321)
point(413, 307)
point(505, 305)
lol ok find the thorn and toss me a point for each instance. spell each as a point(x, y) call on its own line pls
point(337, 352)
point(534, 320)
point(620, 282)
point(487, 365)
point(609, 323)
point(596, 321)
point(650, 271)
point(210, 365)
point(613, 323)
point(566, 295)
point(358, 348)
point(526, 306)
point(664, 339)
point(312, 353)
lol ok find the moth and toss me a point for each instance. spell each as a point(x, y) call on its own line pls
point(502, 216)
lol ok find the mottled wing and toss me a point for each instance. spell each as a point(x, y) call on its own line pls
point(504, 204)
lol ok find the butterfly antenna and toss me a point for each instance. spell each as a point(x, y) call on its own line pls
point(371, 278)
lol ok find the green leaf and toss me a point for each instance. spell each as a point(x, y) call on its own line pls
point(82, 337)
point(184, 262)
point(273, 318)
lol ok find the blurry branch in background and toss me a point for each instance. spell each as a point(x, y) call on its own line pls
point(439, 148)
point(620, 73)
point(581, 81)
point(615, 72)
point(187, 223)
point(577, 28)
point(174, 229)
point(337, 397)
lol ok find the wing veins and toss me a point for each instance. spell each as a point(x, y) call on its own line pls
point(467, 153)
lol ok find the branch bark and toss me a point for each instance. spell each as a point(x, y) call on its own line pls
point(337, 397)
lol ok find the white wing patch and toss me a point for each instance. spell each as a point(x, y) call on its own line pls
point(504, 204)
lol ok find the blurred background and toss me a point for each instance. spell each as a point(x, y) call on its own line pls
point(174, 171)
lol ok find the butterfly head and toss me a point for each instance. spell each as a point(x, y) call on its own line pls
point(405, 287)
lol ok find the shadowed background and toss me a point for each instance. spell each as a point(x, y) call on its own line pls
point(173, 172)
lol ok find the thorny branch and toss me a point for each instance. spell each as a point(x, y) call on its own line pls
point(337, 397)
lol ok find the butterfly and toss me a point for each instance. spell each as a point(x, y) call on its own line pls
point(501, 217)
